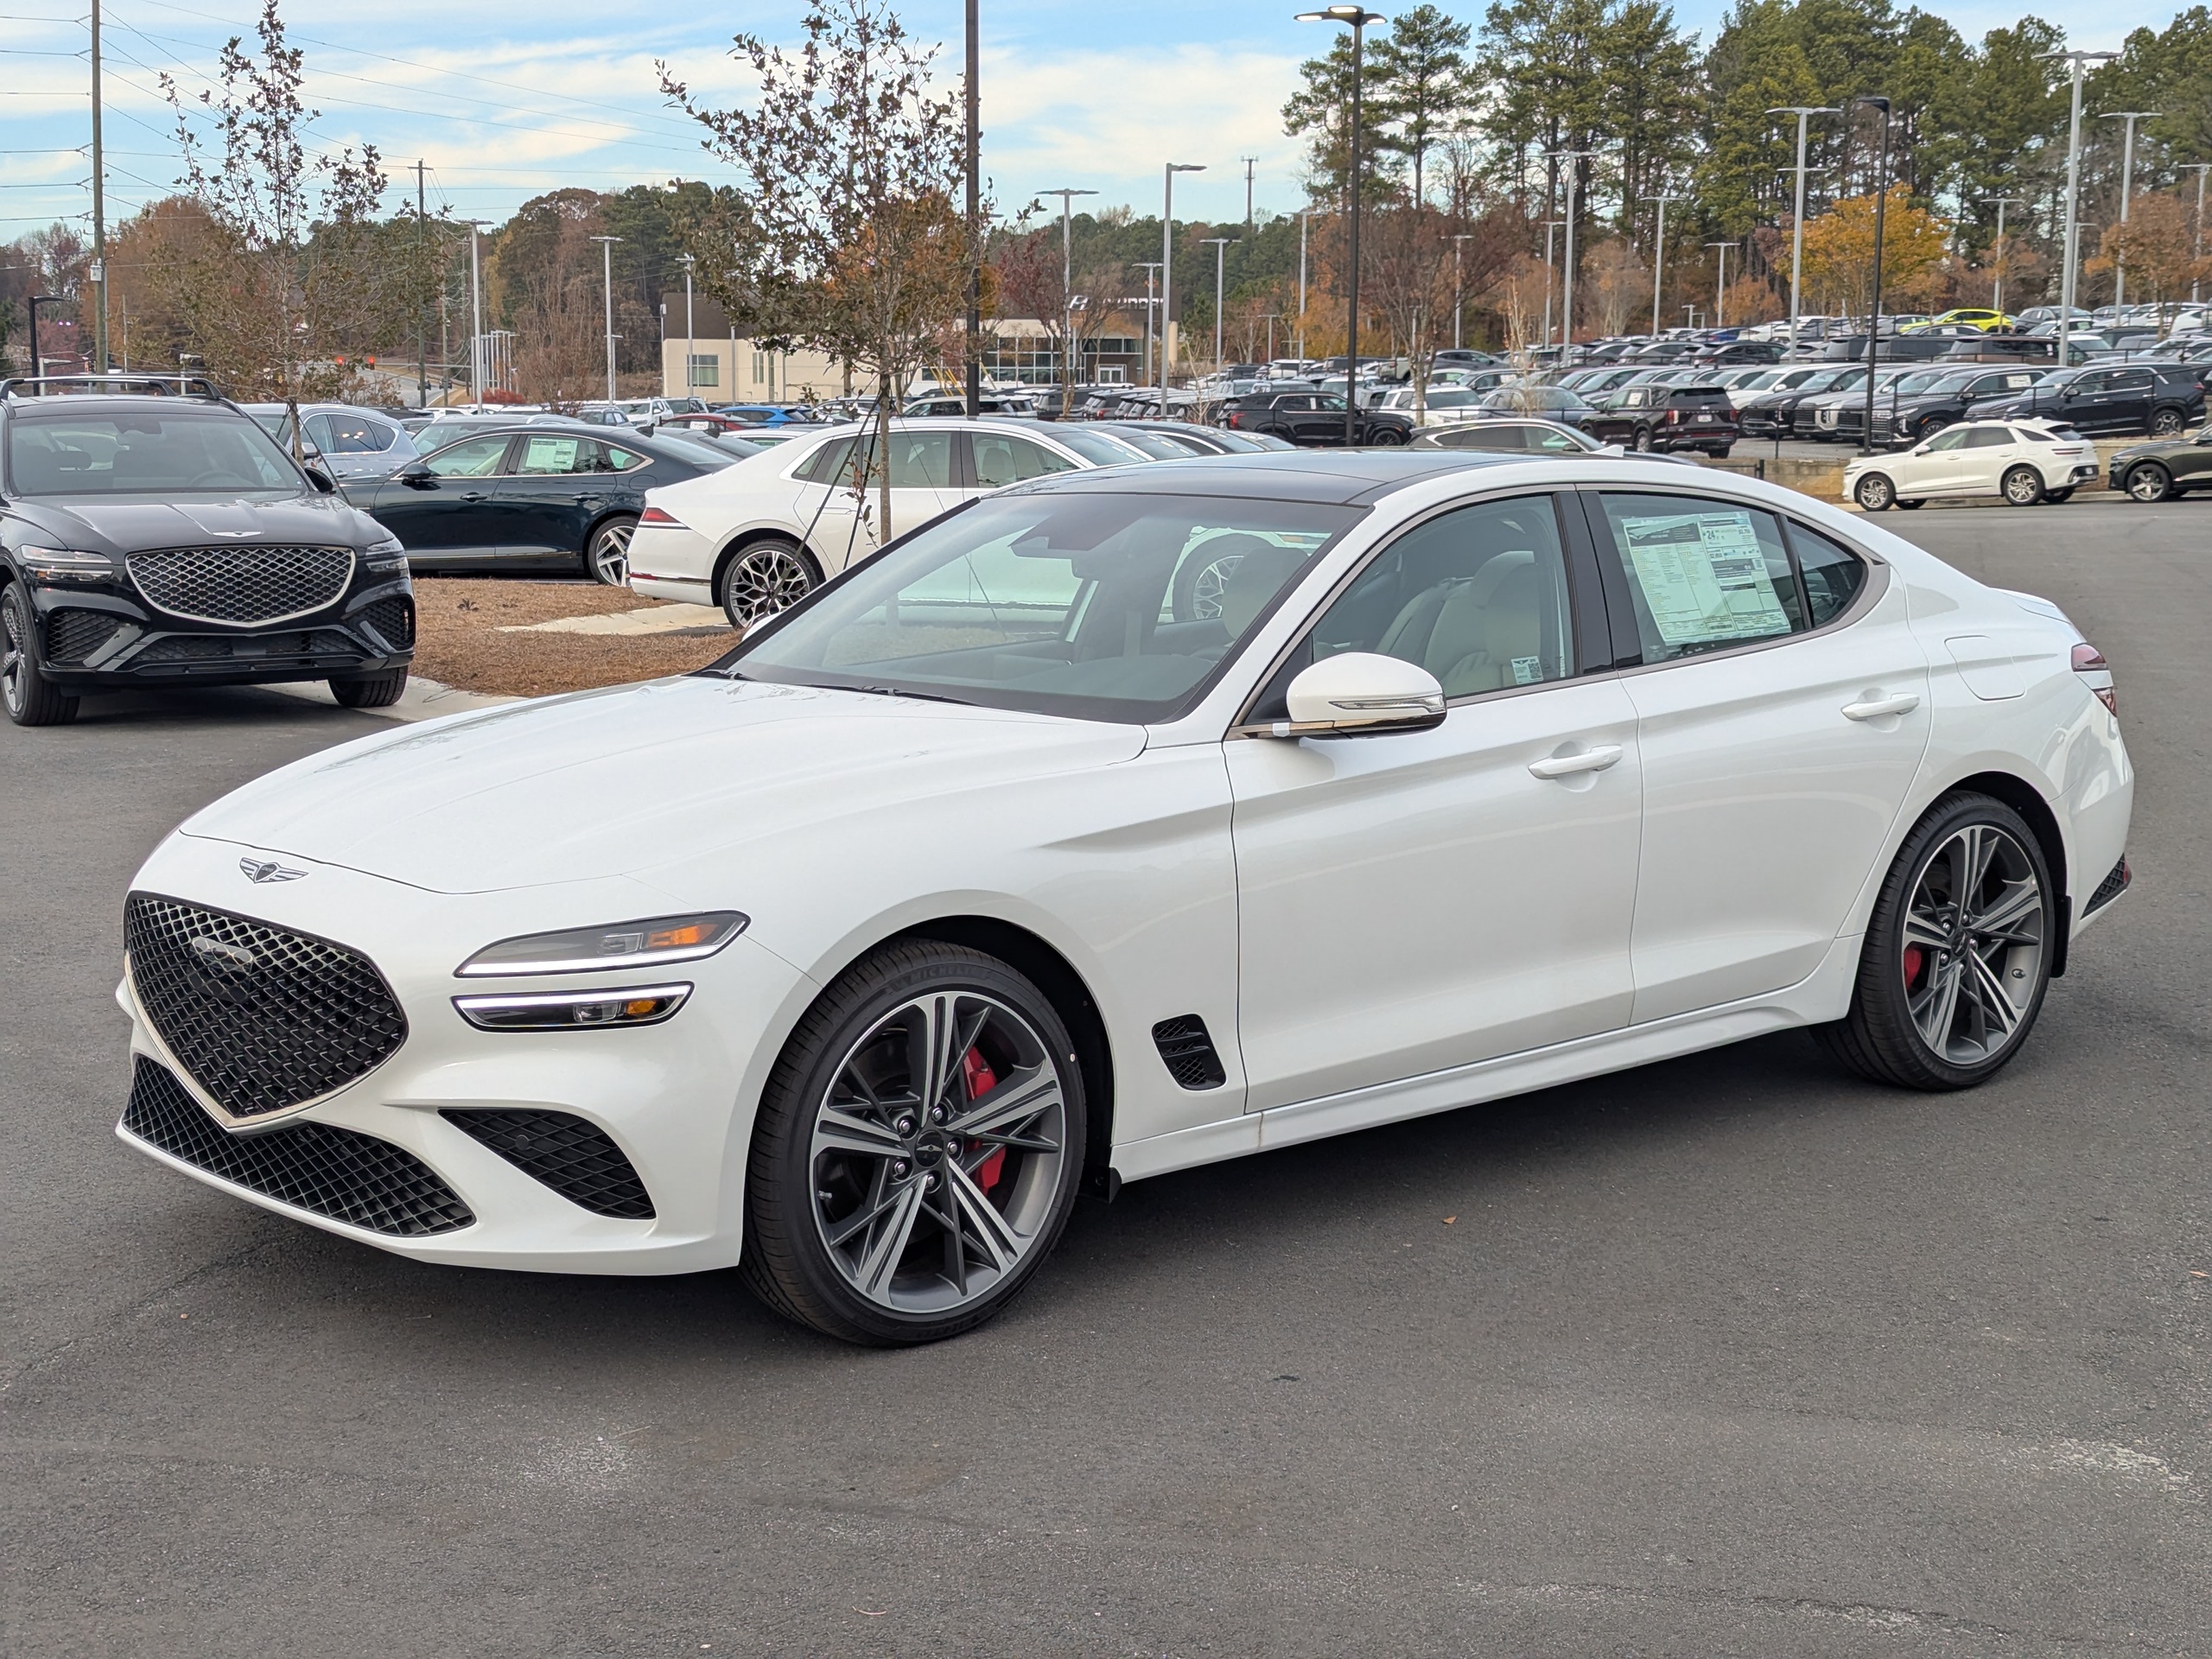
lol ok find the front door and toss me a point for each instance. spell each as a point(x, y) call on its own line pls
point(842, 500)
point(1934, 468)
point(453, 513)
point(1415, 901)
point(1779, 728)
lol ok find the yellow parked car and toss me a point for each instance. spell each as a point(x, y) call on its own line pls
point(1968, 316)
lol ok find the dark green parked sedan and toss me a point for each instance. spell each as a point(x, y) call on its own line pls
point(2163, 468)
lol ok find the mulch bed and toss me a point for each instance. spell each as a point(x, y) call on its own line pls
point(458, 642)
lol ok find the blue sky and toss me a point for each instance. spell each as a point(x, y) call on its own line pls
point(505, 102)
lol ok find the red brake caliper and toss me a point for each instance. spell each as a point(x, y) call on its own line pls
point(1914, 960)
point(981, 1079)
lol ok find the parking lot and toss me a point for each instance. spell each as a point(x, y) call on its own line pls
point(1735, 1355)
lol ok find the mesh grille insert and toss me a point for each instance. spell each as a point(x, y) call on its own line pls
point(248, 648)
point(341, 1173)
point(1187, 1047)
point(261, 1018)
point(576, 1159)
point(242, 584)
point(393, 618)
point(2110, 888)
point(71, 636)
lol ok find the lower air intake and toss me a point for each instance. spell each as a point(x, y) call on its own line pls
point(576, 1159)
point(1187, 1048)
point(340, 1174)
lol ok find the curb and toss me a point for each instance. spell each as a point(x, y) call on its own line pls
point(422, 700)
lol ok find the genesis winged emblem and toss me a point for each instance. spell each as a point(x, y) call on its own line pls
point(259, 870)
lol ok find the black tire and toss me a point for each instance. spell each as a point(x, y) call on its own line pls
point(790, 1189)
point(607, 552)
point(2057, 496)
point(1880, 1037)
point(1875, 493)
point(2147, 481)
point(765, 578)
point(1644, 440)
point(1389, 437)
point(31, 698)
point(2166, 423)
point(1913, 505)
point(1930, 427)
point(369, 690)
point(2022, 487)
point(1720, 453)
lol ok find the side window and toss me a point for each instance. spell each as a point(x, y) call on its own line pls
point(543, 456)
point(606, 457)
point(1003, 458)
point(2088, 382)
point(829, 464)
point(1545, 442)
point(2130, 379)
point(1703, 575)
point(1477, 596)
point(354, 435)
point(1988, 437)
point(1832, 573)
point(470, 458)
point(318, 431)
point(1953, 439)
point(921, 461)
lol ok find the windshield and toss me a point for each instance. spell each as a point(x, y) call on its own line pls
point(110, 454)
point(1098, 607)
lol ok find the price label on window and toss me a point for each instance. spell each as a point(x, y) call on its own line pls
point(1704, 576)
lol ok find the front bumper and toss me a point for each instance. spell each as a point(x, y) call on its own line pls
point(676, 1099)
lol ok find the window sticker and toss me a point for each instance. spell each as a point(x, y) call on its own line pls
point(550, 456)
point(1704, 576)
point(1527, 670)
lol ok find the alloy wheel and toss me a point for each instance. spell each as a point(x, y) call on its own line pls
point(2166, 423)
point(610, 553)
point(936, 1155)
point(763, 580)
point(1971, 944)
point(2149, 483)
point(11, 660)
point(1212, 580)
point(2023, 488)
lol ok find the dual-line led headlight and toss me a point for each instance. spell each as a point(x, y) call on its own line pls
point(642, 1005)
point(647, 943)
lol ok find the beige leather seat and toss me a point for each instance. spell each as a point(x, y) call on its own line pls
point(1260, 570)
point(1469, 631)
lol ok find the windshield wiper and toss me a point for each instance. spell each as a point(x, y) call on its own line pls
point(901, 692)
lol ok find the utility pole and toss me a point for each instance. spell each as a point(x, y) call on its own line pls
point(1151, 275)
point(1997, 253)
point(1302, 218)
point(1874, 322)
point(1720, 286)
point(1550, 225)
point(974, 223)
point(606, 253)
point(99, 208)
point(687, 261)
point(1803, 112)
point(2081, 60)
point(2127, 193)
point(2200, 168)
point(1572, 158)
point(1659, 267)
point(1167, 275)
point(1068, 352)
point(1459, 290)
point(1250, 161)
point(1220, 245)
point(1358, 17)
point(422, 322)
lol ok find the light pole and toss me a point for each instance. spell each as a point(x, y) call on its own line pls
point(2200, 168)
point(2081, 60)
point(99, 207)
point(607, 252)
point(1067, 292)
point(973, 150)
point(687, 261)
point(1458, 292)
point(1250, 162)
point(1803, 112)
point(1720, 286)
point(1302, 218)
point(1167, 274)
point(1659, 259)
point(1550, 225)
point(1359, 17)
point(1151, 274)
point(1572, 158)
point(1874, 319)
point(1220, 245)
point(1996, 254)
point(475, 319)
point(2127, 192)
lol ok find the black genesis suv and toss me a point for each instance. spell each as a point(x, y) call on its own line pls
point(151, 533)
point(1314, 419)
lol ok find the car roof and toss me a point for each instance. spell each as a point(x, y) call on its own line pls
point(63, 405)
point(1343, 479)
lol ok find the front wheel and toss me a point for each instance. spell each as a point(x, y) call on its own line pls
point(918, 1150)
point(369, 690)
point(1914, 506)
point(765, 579)
point(2058, 497)
point(606, 556)
point(2022, 487)
point(1957, 955)
point(1389, 437)
point(1644, 440)
point(32, 699)
point(1875, 493)
point(2150, 482)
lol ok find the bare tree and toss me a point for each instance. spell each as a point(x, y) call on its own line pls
point(1619, 284)
point(1076, 306)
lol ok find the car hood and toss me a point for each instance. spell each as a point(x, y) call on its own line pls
point(2154, 447)
point(134, 525)
point(637, 778)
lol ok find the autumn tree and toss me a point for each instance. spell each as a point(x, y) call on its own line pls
point(1839, 249)
point(850, 165)
point(2155, 248)
point(1618, 283)
point(1036, 275)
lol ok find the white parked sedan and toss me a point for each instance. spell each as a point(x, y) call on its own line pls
point(2021, 462)
point(1002, 867)
point(774, 527)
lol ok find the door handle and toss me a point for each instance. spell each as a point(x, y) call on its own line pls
point(1904, 703)
point(1566, 766)
point(476, 495)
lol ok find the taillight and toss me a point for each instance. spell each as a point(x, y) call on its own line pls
point(2096, 674)
point(655, 515)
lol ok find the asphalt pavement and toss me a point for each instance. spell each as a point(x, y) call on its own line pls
point(1732, 1355)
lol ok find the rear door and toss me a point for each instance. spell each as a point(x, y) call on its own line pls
point(1983, 458)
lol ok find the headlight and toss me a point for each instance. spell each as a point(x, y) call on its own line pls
point(386, 555)
point(644, 944)
point(646, 1005)
point(60, 564)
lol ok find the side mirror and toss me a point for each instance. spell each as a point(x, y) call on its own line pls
point(1362, 691)
point(319, 478)
point(416, 474)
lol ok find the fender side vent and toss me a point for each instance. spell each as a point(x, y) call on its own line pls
point(2108, 890)
point(1187, 1048)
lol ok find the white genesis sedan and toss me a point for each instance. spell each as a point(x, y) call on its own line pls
point(1012, 862)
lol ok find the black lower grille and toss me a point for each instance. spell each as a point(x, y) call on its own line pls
point(393, 618)
point(340, 1174)
point(1188, 1047)
point(2110, 888)
point(72, 635)
point(252, 648)
point(261, 1018)
point(576, 1159)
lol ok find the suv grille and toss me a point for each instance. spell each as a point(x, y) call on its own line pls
point(242, 584)
point(341, 1173)
point(576, 1159)
point(246, 650)
point(393, 618)
point(262, 1019)
point(71, 636)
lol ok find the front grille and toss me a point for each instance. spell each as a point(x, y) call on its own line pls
point(261, 1018)
point(393, 618)
point(341, 1173)
point(242, 584)
point(2110, 888)
point(248, 648)
point(71, 636)
point(1187, 1047)
point(576, 1159)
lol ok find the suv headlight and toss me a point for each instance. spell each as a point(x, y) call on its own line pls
point(650, 942)
point(386, 555)
point(60, 564)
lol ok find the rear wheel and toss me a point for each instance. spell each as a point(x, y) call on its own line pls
point(2022, 487)
point(606, 556)
point(2148, 481)
point(1875, 493)
point(2166, 423)
point(1914, 506)
point(1957, 955)
point(765, 579)
point(369, 690)
point(1390, 438)
point(32, 699)
point(918, 1149)
point(2054, 497)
